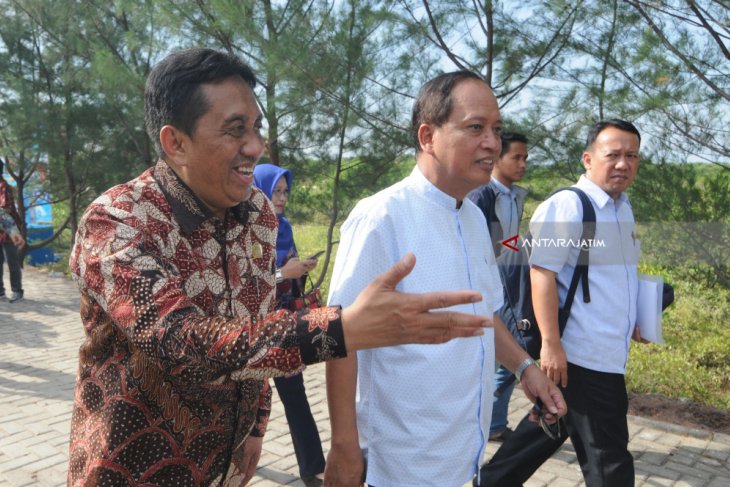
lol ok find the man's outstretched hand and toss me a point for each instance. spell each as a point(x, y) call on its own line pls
point(382, 316)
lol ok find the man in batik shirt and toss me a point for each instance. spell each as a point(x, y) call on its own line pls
point(176, 272)
point(10, 242)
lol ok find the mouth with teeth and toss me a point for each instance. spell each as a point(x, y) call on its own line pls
point(245, 174)
point(486, 163)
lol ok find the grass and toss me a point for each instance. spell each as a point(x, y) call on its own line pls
point(695, 361)
point(311, 238)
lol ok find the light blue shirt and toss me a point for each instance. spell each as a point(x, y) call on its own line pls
point(423, 411)
point(597, 334)
point(509, 203)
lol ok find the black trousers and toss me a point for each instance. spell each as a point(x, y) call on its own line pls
point(596, 423)
point(302, 427)
point(16, 275)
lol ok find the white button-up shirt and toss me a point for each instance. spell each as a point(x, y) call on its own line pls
point(423, 411)
point(597, 334)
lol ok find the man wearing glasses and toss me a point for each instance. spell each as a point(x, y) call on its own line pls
point(589, 361)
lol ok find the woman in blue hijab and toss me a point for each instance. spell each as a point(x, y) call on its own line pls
point(276, 183)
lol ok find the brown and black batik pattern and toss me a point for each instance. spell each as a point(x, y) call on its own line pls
point(181, 334)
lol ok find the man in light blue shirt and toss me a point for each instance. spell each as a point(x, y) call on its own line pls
point(505, 200)
point(508, 170)
point(420, 414)
point(589, 361)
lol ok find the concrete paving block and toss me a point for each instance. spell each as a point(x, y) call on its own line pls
point(37, 395)
point(719, 482)
point(688, 471)
point(719, 451)
point(18, 462)
point(654, 471)
point(17, 479)
point(57, 459)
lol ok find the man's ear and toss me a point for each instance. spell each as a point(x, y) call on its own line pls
point(586, 157)
point(425, 137)
point(174, 144)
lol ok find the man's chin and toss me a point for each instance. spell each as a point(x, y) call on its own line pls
point(246, 195)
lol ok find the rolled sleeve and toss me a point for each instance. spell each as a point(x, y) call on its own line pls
point(555, 228)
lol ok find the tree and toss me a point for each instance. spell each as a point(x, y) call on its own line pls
point(81, 75)
point(690, 41)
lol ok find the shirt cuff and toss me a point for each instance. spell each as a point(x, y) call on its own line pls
point(320, 334)
point(262, 422)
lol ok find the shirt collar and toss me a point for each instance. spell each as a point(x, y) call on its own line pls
point(597, 194)
point(499, 186)
point(426, 188)
point(188, 209)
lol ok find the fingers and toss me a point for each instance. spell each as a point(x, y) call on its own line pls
point(397, 272)
point(445, 299)
point(440, 327)
point(557, 376)
point(554, 403)
point(454, 324)
point(17, 240)
point(636, 336)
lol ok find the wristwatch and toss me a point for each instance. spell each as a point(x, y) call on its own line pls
point(523, 366)
point(279, 277)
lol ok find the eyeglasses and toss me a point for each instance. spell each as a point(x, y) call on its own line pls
point(552, 430)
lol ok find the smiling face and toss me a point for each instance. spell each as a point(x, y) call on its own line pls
point(511, 166)
point(217, 160)
point(280, 195)
point(612, 161)
point(459, 155)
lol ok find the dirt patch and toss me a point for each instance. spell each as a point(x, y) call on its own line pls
point(681, 412)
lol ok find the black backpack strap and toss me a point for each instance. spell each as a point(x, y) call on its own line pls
point(485, 198)
point(581, 268)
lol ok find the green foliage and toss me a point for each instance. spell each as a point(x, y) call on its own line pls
point(311, 196)
point(695, 362)
point(310, 239)
point(683, 212)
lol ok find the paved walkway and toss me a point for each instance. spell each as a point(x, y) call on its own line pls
point(39, 339)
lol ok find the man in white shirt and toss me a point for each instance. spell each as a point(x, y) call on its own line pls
point(589, 361)
point(422, 413)
point(502, 202)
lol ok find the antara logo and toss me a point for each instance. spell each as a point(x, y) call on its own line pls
point(511, 243)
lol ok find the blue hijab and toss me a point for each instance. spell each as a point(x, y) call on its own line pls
point(265, 177)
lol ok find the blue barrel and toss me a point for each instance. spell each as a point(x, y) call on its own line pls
point(43, 255)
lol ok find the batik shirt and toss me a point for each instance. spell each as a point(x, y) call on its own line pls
point(181, 334)
point(11, 219)
point(7, 224)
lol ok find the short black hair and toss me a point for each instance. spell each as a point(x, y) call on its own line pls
point(433, 103)
point(508, 138)
point(616, 123)
point(173, 94)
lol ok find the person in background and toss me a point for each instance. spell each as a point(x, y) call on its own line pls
point(502, 202)
point(588, 361)
point(9, 243)
point(276, 183)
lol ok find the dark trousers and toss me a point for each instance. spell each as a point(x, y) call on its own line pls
point(596, 423)
point(10, 252)
point(302, 427)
